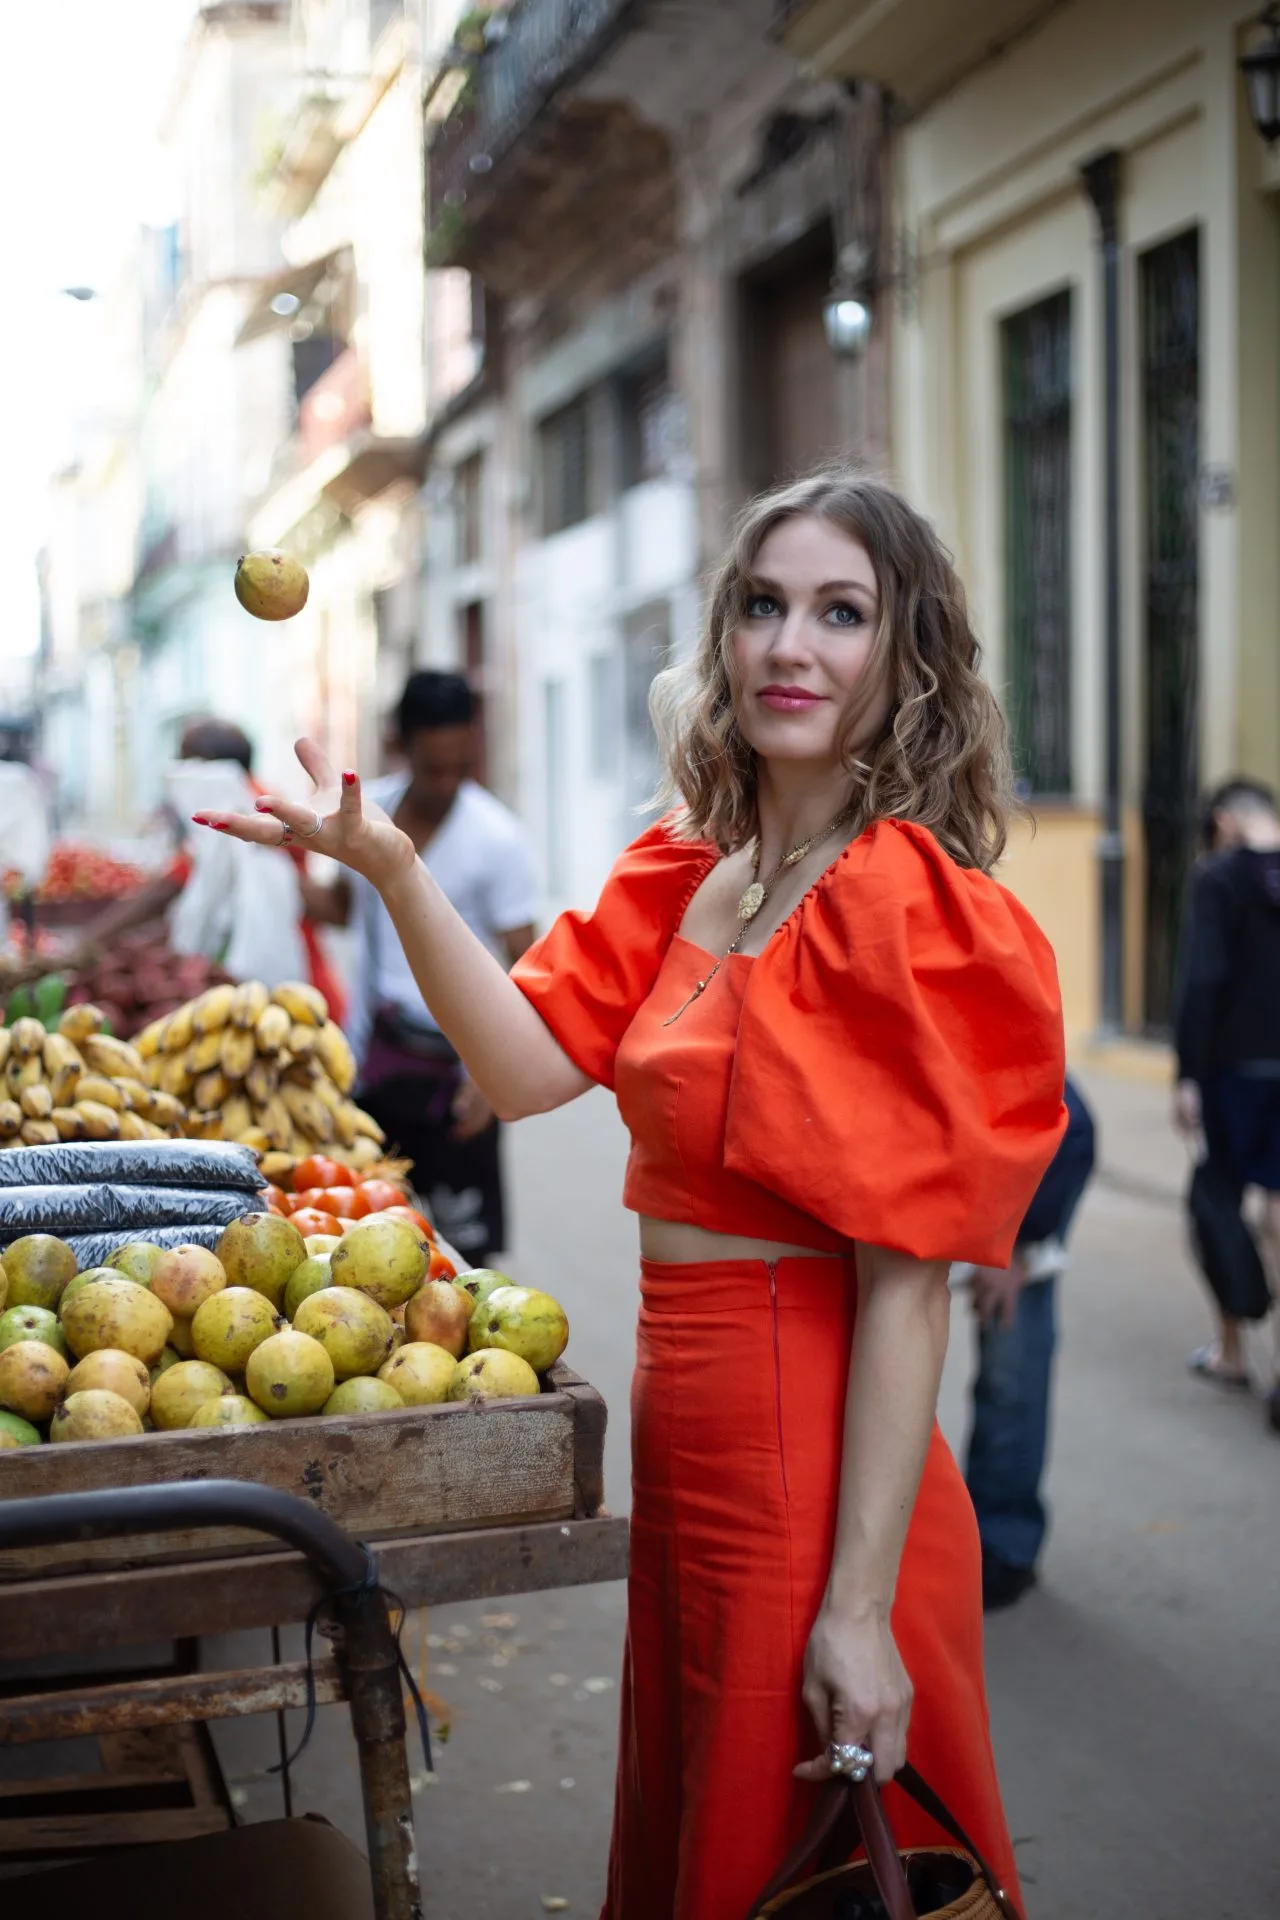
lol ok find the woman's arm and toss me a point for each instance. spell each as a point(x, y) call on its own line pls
point(506, 1047)
point(855, 1686)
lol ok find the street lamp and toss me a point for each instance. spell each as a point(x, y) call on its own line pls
point(1261, 70)
point(846, 311)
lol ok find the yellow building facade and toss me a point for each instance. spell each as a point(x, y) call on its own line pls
point(995, 311)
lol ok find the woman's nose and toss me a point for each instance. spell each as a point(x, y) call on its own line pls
point(790, 638)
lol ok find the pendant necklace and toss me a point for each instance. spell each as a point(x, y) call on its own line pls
point(755, 896)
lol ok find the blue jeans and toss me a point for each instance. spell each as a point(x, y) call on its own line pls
point(1009, 1435)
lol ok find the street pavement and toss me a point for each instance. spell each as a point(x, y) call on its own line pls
point(1134, 1694)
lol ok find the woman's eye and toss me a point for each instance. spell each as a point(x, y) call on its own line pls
point(761, 606)
point(842, 613)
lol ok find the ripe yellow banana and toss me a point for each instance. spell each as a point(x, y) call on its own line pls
point(39, 1133)
point(302, 1039)
point(26, 1039)
point(304, 1004)
point(274, 1118)
point(96, 1087)
point(137, 1098)
point(260, 1082)
point(336, 1057)
point(308, 1113)
point(277, 1165)
point(167, 1110)
point(272, 1031)
point(104, 1054)
point(69, 1123)
point(203, 1053)
point(368, 1128)
point(237, 1115)
point(181, 1029)
point(211, 1010)
point(257, 1138)
point(101, 1122)
point(36, 1102)
point(173, 1077)
point(6, 1041)
point(344, 1123)
point(250, 1003)
point(238, 1053)
point(20, 1074)
point(151, 1040)
point(365, 1153)
point(77, 1023)
point(133, 1127)
point(209, 1091)
point(62, 1068)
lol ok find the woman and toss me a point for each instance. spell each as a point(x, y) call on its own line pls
point(837, 1045)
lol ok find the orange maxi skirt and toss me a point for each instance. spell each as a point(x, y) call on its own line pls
point(738, 1412)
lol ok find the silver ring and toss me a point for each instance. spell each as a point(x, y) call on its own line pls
point(853, 1761)
point(286, 835)
point(311, 834)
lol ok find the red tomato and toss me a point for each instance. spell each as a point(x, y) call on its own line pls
point(309, 1220)
point(375, 1196)
point(277, 1197)
point(318, 1170)
point(441, 1268)
point(338, 1200)
point(414, 1218)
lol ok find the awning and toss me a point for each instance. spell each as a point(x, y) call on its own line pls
point(913, 48)
point(373, 466)
point(280, 299)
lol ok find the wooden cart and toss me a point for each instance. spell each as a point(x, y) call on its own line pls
point(454, 1502)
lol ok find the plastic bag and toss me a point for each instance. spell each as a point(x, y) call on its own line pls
point(105, 1206)
point(94, 1249)
point(152, 1163)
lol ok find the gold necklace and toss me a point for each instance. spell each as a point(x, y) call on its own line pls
point(756, 894)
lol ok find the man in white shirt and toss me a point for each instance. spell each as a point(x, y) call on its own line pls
point(478, 852)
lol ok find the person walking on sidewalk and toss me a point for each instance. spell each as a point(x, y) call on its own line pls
point(1228, 1024)
point(411, 1079)
point(836, 1042)
point(1015, 1310)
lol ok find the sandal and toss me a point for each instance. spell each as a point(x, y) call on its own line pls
point(1207, 1363)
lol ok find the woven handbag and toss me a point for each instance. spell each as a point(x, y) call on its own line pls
point(942, 1883)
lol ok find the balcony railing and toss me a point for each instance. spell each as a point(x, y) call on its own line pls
point(545, 45)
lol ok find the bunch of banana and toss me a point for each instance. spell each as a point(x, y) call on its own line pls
point(77, 1084)
point(267, 1068)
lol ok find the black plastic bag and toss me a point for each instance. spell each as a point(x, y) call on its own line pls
point(94, 1249)
point(1224, 1245)
point(106, 1206)
point(149, 1163)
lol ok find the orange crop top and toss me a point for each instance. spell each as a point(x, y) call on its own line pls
point(889, 1069)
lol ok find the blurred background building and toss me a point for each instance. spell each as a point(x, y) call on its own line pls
point(495, 316)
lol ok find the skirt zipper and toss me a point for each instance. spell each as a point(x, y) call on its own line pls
point(771, 1267)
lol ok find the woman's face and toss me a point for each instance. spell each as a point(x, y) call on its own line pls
point(801, 651)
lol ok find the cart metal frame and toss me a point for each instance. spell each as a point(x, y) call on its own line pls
point(187, 1599)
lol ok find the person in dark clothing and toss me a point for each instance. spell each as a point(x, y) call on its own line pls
point(1015, 1308)
point(1228, 1023)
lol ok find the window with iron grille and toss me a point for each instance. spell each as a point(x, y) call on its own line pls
point(644, 396)
point(1036, 347)
point(564, 460)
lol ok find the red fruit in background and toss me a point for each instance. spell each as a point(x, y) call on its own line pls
point(113, 1015)
point(414, 1218)
point(375, 1196)
point(441, 1268)
point(276, 1197)
point(309, 1220)
point(340, 1201)
point(318, 1170)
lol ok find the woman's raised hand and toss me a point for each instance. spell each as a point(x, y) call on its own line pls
point(338, 823)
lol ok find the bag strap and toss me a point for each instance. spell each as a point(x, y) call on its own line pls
point(849, 1814)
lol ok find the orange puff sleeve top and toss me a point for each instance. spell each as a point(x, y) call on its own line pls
point(892, 1060)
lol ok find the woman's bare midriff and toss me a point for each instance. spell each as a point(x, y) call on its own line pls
point(673, 1243)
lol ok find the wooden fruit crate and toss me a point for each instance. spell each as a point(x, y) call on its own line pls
point(417, 1470)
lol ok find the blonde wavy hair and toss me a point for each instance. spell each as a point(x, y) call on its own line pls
point(941, 760)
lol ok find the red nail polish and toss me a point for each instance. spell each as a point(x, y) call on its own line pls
point(348, 779)
point(218, 827)
point(199, 820)
point(262, 806)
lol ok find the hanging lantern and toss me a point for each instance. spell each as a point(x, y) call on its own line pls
point(1261, 70)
